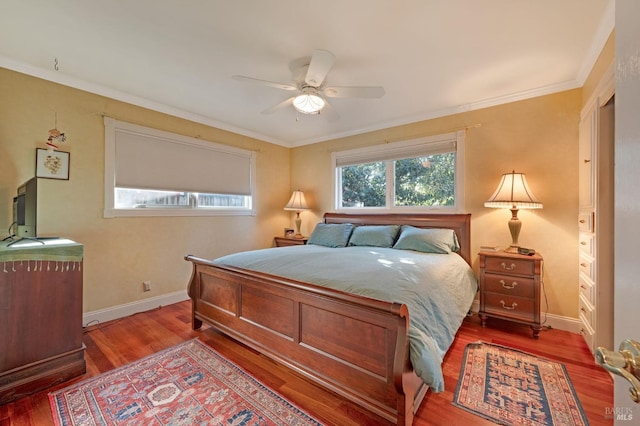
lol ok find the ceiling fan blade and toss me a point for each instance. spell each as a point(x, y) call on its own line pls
point(321, 63)
point(264, 82)
point(328, 112)
point(279, 106)
point(354, 92)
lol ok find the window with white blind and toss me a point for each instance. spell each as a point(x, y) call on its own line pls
point(151, 172)
point(418, 174)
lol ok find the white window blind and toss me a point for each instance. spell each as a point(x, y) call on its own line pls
point(152, 159)
point(150, 172)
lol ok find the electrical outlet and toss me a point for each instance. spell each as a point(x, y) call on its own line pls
point(146, 285)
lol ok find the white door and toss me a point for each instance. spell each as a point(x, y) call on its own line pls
point(627, 195)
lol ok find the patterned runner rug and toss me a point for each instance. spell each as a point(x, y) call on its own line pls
point(512, 387)
point(188, 384)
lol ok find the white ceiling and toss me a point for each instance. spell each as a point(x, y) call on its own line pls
point(433, 57)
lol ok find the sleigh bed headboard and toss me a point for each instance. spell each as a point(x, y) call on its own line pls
point(460, 223)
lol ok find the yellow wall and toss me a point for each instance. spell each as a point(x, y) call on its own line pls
point(120, 253)
point(536, 136)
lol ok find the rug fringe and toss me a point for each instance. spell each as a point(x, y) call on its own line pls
point(469, 410)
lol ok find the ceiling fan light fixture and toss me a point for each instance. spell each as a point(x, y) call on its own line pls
point(308, 103)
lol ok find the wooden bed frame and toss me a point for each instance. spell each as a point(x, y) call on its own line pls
point(355, 346)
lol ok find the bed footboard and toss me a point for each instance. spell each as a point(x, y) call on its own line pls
point(352, 345)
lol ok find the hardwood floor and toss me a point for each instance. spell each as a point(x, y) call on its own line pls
point(122, 341)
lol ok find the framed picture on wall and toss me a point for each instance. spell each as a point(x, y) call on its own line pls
point(52, 164)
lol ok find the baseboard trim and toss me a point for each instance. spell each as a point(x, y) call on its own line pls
point(124, 310)
point(572, 325)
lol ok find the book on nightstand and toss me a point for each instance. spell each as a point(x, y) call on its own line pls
point(490, 248)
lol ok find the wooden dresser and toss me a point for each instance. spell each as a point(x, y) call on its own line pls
point(510, 288)
point(40, 316)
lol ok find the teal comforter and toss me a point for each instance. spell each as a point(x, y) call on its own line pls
point(438, 289)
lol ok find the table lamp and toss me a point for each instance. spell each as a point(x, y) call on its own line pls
point(297, 203)
point(513, 193)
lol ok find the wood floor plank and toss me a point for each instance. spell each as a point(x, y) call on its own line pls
point(122, 341)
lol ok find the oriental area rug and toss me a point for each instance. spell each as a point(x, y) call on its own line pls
point(188, 384)
point(510, 387)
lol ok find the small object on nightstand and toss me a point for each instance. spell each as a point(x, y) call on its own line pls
point(526, 251)
point(510, 288)
point(290, 241)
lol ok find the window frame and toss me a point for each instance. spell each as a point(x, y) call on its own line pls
point(388, 153)
point(110, 211)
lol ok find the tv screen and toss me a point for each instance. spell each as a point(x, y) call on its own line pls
point(25, 209)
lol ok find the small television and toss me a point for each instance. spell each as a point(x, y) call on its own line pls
point(25, 207)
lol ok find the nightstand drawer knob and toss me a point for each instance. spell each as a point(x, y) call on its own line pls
point(508, 286)
point(508, 267)
point(511, 308)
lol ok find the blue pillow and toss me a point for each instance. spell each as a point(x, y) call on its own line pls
point(331, 234)
point(374, 235)
point(427, 240)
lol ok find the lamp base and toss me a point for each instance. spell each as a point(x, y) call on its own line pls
point(298, 221)
point(512, 249)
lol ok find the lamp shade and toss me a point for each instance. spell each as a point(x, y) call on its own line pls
point(297, 202)
point(513, 192)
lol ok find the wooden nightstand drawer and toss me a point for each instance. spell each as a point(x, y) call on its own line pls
point(510, 266)
point(510, 286)
point(286, 241)
point(508, 306)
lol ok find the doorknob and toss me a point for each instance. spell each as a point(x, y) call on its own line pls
point(624, 363)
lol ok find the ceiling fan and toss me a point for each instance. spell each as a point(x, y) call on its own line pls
point(308, 80)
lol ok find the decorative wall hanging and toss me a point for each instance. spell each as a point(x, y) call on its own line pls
point(55, 137)
point(52, 164)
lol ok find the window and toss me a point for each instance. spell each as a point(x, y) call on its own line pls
point(419, 174)
point(149, 172)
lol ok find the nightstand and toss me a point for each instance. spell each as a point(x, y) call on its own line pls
point(287, 241)
point(510, 288)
